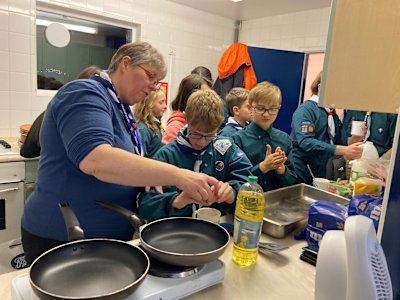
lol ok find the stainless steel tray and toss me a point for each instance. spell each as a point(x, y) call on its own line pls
point(286, 209)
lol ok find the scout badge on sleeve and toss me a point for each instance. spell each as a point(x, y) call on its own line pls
point(307, 127)
point(222, 146)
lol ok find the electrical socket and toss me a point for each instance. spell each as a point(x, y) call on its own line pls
point(172, 50)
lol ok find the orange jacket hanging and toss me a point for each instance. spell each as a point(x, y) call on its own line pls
point(234, 57)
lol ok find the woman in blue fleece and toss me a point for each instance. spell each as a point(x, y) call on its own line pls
point(91, 150)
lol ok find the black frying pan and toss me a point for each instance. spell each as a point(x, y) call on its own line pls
point(88, 269)
point(179, 241)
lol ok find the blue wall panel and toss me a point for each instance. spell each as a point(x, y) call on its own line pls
point(285, 69)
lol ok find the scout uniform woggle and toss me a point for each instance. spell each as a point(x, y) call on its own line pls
point(367, 121)
point(185, 145)
point(232, 123)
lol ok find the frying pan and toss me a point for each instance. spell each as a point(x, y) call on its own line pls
point(88, 269)
point(178, 241)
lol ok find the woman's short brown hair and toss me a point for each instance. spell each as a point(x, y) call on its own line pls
point(141, 53)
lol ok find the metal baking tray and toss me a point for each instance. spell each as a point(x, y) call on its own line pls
point(286, 209)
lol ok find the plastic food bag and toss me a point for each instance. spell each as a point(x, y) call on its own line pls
point(368, 206)
point(323, 216)
point(370, 186)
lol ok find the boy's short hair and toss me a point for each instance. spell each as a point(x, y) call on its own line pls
point(205, 110)
point(236, 97)
point(265, 92)
point(315, 84)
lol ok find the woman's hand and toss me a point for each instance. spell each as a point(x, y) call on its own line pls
point(198, 186)
point(274, 160)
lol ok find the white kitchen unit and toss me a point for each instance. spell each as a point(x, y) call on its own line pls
point(12, 175)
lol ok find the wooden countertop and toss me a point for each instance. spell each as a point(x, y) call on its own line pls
point(277, 276)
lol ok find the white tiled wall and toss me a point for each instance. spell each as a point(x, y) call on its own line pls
point(198, 37)
point(304, 31)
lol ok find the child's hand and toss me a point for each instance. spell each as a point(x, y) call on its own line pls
point(183, 199)
point(225, 193)
point(281, 168)
point(272, 160)
point(158, 189)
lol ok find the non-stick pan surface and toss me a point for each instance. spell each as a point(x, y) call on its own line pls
point(184, 235)
point(179, 241)
point(89, 269)
point(184, 241)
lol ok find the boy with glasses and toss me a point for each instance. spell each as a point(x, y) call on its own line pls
point(199, 148)
point(268, 149)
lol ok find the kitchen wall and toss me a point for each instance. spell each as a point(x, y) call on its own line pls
point(199, 38)
point(304, 31)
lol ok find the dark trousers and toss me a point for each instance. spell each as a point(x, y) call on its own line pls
point(34, 245)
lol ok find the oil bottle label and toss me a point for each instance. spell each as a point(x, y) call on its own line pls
point(247, 233)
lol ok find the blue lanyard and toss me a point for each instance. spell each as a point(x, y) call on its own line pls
point(126, 112)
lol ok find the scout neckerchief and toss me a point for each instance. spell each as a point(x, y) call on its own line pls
point(367, 120)
point(331, 122)
point(126, 112)
point(233, 123)
point(184, 145)
point(160, 125)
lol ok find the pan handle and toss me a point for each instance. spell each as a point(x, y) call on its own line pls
point(133, 218)
point(74, 229)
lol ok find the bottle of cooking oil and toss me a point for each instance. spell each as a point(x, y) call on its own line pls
point(249, 215)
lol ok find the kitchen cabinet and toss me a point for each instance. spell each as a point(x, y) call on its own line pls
point(31, 167)
point(362, 56)
point(17, 179)
point(12, 175)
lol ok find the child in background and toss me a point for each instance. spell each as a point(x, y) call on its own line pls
point(317, 138)
point(148, 114)
point(268, 149)
point(177, 120)
point(199, 148)
point(239, 109)
point(205, 73)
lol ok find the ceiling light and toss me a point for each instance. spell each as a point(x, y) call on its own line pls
point(85, 29)
point(236, 0)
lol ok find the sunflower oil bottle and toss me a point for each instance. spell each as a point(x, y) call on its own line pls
point(248, 222)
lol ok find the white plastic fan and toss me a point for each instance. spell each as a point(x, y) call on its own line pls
point(351, 264)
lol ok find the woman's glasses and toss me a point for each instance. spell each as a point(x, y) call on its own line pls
point(155, 85)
